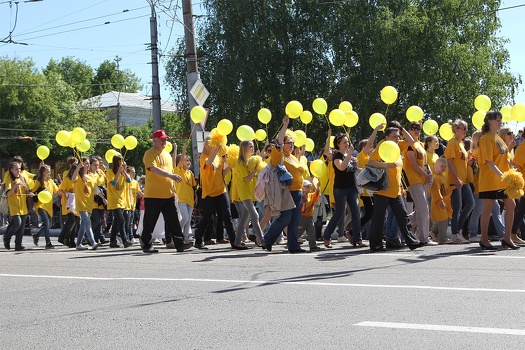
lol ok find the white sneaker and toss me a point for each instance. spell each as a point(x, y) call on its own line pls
point(431, 242)
point(81, 247)
point(342, 239)
point(459, 239)
point(474, 239)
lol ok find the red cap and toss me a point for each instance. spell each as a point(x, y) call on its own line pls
point(161, 135)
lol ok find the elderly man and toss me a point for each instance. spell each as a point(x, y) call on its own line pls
point(158, 195)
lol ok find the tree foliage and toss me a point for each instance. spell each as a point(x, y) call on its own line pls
point(108, 78)
point(439, 54)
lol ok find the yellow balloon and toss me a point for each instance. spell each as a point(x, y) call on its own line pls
point(518, 112)
point(78, 135)
point(445, 131)
point(63, 138)
point(430, 127)
point(260, 135)
point(414, 113)
point(389, 151)
point(110, 153)
point(345, 106)
point(84, 145)
point(506, 113)
point(376, 119)
point(42, 152)
point(300, 138)
point(264, 115)
point(319, 106)
point(197, 114)
point(351, 119)
point(337, 117)
point(45, 197)
point(389, 95)
point(117, 141)
point(225, 127)
point(482, 103)
point(294, 109)
point(309, 144)
point(332, 141)
point(130, 142)
point(318, 168)
point(168, 147)
point(478, 119)
point(245, 132)
point(306, 117)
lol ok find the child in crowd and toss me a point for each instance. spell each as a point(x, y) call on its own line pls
point(306, 222)
point(440, 209)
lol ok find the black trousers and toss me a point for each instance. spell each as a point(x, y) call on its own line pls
point(152, 209)
point(208, 205)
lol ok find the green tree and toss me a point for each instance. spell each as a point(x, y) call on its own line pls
point(109, 78)
point(75, 73)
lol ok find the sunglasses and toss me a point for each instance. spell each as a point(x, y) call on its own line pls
point(509, 133)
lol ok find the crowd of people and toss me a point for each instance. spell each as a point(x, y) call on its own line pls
point(270, 197)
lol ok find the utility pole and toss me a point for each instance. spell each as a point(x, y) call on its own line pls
point(155, 93)
point(117, 60)
point(192, 74)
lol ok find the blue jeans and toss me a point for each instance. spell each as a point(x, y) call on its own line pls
point(85, 229)
point(476, 213)
point(16, 227)
point(288, 218)
point(96, 224)
point(128, 220)
point(461, 198)
point(46, 220)
point(343, 196)
point(392, 228)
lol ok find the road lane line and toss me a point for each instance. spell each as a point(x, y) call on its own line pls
point(287, 282)
point(442, 328)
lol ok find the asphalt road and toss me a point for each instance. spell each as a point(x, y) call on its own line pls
point(444, 297)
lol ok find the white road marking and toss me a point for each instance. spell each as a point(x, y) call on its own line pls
point(286, 282)
point(436, 327)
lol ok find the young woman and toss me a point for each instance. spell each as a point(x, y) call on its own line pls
point(185, 190)
point(462, 198)
point(84, 185)
point(390, 197)
point(44, 210)
point(99, 210)
point(493, 162)
point(245, 183)
point(287, 218)
point(345, 190)
point(70, 228)
point(16, 191)
point(431, 145)
point(118, 179)
point(133, 190)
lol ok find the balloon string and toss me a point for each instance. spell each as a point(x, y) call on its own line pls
point(386, 112)
point(327, 122)
point(125, 153)
point(278, 129)
point(192, 129)
point(267, 133)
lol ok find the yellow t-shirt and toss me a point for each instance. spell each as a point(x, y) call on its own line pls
point(413, 177)
point(84, 192)
point(212, 182)
point(17, 200)
point(245, 190)
point(293, 165)
point(519, 157)
point(117, 193)
point(101, 181)
point(456, 151)
point(307, 209)
point(131, 194)
point(440, 190)
point(431, 159)
point(394, 176)
point(158, 186)
point(492, 148)
point(66, 186)
point(475, 177)
point(49, 185)
point(185, 188)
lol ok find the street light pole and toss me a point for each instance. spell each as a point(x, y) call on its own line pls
point(155, 97)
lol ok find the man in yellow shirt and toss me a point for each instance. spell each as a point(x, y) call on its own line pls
point(159, 194)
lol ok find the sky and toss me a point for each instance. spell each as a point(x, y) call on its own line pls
point(97, 30)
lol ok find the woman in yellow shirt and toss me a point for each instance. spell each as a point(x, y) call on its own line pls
point(390, 197)
point(431, 145)
point(97, 170)
point(118, 179)
point(462, 199)
point(44, 210)
point(185, 190)
point(245, 182)
point(287, 218)
point(16, 191)
point(69, 230)
point(493, 162)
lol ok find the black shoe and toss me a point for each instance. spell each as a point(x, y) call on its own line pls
point(504, 243)
point(487, 247)
point(35, 239)
point(239, 247)
point(72, 245)
point(150, 250)
point(186, 246)
point(20, 248)
point(415, 245)
point(394, 244)
point(114, 245)
point(316, 249)
point(199, 246)
point(50, 246)
point(103, 240)
point(378, 248)
point(252, 238)
point(61, 241)
point(297, 251)
point(7, 243)
point(267, 247)
point(127, 244)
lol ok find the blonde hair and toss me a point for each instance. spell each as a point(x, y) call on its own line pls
point(439, 161)
point(243, 151)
